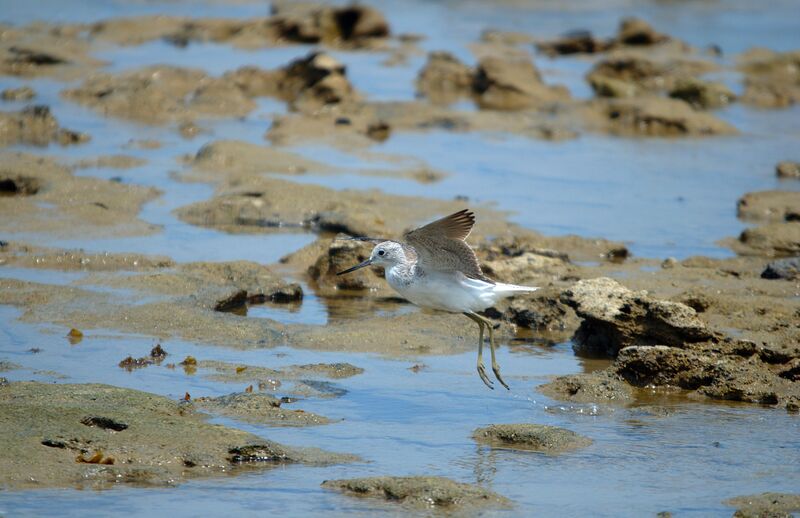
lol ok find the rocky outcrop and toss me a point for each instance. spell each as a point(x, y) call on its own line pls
point(615, 317)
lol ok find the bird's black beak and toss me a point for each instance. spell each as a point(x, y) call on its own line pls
point(356, 267)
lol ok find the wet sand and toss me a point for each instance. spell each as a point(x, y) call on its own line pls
point(197, 205)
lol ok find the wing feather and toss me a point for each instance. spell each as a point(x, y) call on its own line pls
point(440, 245)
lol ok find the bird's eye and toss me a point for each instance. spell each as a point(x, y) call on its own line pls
point(381, 252)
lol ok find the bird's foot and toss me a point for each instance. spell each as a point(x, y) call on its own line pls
point(484, 377)
point(496, 369)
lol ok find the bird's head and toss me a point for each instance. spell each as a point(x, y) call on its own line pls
point(386, 254)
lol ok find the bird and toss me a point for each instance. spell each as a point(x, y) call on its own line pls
point(435, 268)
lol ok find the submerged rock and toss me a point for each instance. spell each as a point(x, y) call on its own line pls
point(615, 317)
point(533, 437)
point(438, 492)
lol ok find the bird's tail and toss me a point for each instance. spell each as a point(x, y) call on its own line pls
point(506, 290)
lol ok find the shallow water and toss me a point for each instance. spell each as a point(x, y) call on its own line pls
point(662, 197)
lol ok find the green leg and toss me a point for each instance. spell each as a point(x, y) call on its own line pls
point(495, 366)
point(481, 367)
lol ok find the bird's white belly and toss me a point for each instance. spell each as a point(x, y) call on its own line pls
point(444, 291)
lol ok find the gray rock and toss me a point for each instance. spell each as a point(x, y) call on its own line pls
point(788, 269)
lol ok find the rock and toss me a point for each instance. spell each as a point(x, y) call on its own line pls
point(314, 81)
point(661, 365)
point(615, 317)
point(532, 437)
point(14, 184)
point(576, 42)
point(632, 32)
point(269, 452)
point(232, 303)
point(219, 286)
point(241, 160)
point(43, 49)
point(542, 311)
point(517, 268)
point(637, 32)
point(44, 196)
point(329, 370)
point(626, 74)
point(605, 86)
point(788, 169)
point(157, 355)
point(243, 374)
point(260, 409)
point(162, 93)
point(702, 94)
point(36, 126)
point(140, 438)
point(341, 255)
point(8, 366)
point(597, 387)
point(772, 79)
point(773, 239)
point(23, 93)
point(506, 84)
point(788, 269)
point(656, 117)
point(729, 372)
point(444, 78)
point(353, 24)
point(110, 162)
point(25, 256)
point(425, 492)
point(765, 505)
point(379, 131)
point(769, 206)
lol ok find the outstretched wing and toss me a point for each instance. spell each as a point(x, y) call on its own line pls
point(440, 245)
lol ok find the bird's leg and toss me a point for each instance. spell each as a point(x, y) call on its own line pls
point(481, 367)
point(495, 366)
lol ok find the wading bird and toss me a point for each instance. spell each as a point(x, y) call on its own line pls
point(435, 268)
